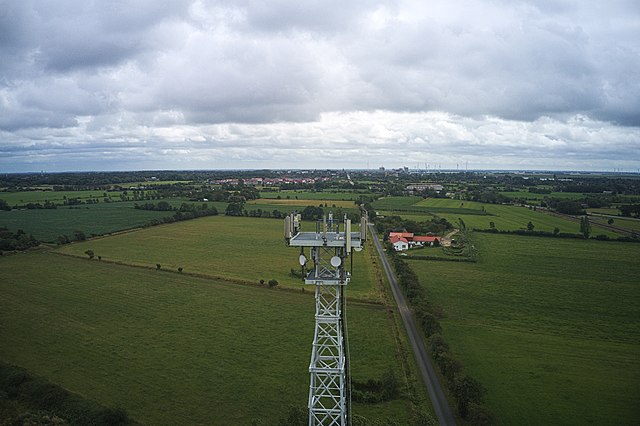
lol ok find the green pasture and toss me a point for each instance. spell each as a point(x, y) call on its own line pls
point(627, 223)
point(152, 183)
point(240, 248)
point(57, 197)
point(393, 203)
point(612, 211)
point(537, 197)
point(175, 349)
point(92, 219)
point(551, 327)
point(101, 218)
point(504, 216)
point(312, 195)
point(285, 204)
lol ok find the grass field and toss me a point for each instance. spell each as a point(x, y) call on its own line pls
point(627, 223)
point(310, 195)
point(505, 217)
point(174, 349)
point(101, 218)
point(57, 197)
point(241, 248)
point(551, 327)
point(531, 196)
point(280, 203)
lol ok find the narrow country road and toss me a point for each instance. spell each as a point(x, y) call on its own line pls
point(438, 399)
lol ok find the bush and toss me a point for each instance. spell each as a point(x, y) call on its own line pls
point(467, 390)
point(111, 417)
point(479, 415)
point(449, 366)
point(430, 324)
point(273, 283)
point(438, 345)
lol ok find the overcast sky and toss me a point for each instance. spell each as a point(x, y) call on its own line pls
point(164, 84)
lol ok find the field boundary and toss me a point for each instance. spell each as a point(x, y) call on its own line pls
point(229, 280)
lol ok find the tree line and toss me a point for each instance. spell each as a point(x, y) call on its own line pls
point(468, 392)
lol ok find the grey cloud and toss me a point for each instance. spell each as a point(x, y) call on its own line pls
point(163, 72)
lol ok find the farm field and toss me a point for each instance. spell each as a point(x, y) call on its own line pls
point(237, 248)
point(537, 197)
point(311, 195)
point(551, 327)
point(280, 203)
point(57, 197)
point(97, 219)
point(627, 223)
point(505, 217)
point(92, 219)
point(171, 348)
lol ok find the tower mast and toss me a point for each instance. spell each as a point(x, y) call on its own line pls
point(329, 367)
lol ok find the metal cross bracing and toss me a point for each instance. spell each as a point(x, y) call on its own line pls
point(329, 367)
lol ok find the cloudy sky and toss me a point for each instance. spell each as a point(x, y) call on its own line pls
point(164, 84)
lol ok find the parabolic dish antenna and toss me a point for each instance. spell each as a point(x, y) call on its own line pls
point(336, 261)
point(302, 260)
point(357, 248)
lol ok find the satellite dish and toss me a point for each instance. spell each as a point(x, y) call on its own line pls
point(336, 261)
point(302, 260)
point(357, 248)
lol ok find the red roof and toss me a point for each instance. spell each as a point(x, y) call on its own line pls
point(395, 238)
point(425, 239)
point(401, 234)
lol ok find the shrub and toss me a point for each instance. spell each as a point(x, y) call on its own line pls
point(111, 417)
point(438, 345)
point(467, 390)
point(479, 415)
point(273, 283)
point(449, 366)
point(430, 324)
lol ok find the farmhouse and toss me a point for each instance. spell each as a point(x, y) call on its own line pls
point(404, 240)
point(399, 243)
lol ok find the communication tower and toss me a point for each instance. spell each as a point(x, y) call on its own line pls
point(329, 248)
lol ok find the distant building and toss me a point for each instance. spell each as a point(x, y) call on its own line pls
point(419, 187)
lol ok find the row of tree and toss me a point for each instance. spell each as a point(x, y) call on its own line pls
point(468, 392)
point(387, 224)
point(19, 240)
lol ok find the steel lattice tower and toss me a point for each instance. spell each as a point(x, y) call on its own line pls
point(329, 367)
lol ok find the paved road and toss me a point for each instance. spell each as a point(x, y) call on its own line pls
point(438, 400)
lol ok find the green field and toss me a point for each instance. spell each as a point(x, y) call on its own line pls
point(239, 248)
point(505, 217)
point(57, 197)
point(175, 349)
point(551, 327)
point(101, 218)
point(311, 195)
point(627, 223)
point(532, 196)
point(302, 202)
